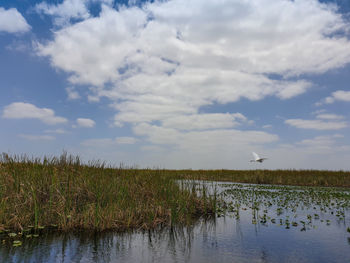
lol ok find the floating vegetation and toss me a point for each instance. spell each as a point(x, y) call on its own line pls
point(17, 243)
point(288, 205)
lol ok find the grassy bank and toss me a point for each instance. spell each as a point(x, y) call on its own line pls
point(63, 193)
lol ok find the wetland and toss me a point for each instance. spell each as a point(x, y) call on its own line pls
point(60, 210)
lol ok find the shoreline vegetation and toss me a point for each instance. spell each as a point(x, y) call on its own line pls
point(64, 194)
point(312, 178)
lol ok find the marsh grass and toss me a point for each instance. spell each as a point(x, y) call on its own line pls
point(273, 177)
point(62, 192)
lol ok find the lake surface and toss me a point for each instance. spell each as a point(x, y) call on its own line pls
point(255, 224)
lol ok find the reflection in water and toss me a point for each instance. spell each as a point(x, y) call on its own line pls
point(248, 234)
point(172, 244)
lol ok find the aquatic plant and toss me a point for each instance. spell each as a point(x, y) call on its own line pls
point(307, 206)
point(63, 192)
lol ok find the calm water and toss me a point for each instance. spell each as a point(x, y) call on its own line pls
point(257, 224)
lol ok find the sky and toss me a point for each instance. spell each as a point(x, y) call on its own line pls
point(178, 84)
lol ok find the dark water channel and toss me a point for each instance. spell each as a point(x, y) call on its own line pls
point(255, 224)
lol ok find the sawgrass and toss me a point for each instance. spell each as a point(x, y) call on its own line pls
point(275, 177)
point(64, 193)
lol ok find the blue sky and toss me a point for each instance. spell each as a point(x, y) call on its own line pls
point(179, 83)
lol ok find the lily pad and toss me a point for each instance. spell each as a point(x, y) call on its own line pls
point(17, 243)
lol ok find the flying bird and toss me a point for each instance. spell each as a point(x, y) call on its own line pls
point(257, 158)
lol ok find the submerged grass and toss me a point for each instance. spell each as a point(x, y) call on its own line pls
point(64, 193)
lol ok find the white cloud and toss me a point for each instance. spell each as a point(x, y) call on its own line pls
point(170, 148)
point(304, 154)
point(19, 46)
point(328, 116)
point(57, 131)
point(12, 21)
point(101, 142)
point(339, 95)
point(320, 111)
point(162, 61)
point(22, 110)
point(204, 121)
point(161, 64)
point(202, 140)
point(319, 145)
point(210, 143)
point(320, 152)
point(317, 124)
point(125, 140)
point(267, 126)
point(153, 149)
point(87, 123)
point(65, 11)
point(72, 93)
point(318, 141)
point(37, 137)
point(69, 10)
point(108, 142)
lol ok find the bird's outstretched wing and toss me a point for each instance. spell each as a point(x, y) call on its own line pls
point(256, 156)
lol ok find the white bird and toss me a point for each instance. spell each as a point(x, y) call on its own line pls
point(257, 158)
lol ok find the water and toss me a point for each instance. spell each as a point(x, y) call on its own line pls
point(255, 225)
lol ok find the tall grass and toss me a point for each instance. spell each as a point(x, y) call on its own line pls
point(65, 193)
point(277, 177)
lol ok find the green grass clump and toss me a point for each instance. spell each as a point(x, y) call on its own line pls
point(70, 195)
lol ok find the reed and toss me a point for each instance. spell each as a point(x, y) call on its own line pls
point(68, 194)
point(63, 192)
point(275, 177)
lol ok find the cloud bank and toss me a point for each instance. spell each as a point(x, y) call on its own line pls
point(160, 63)
point(163, 56)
